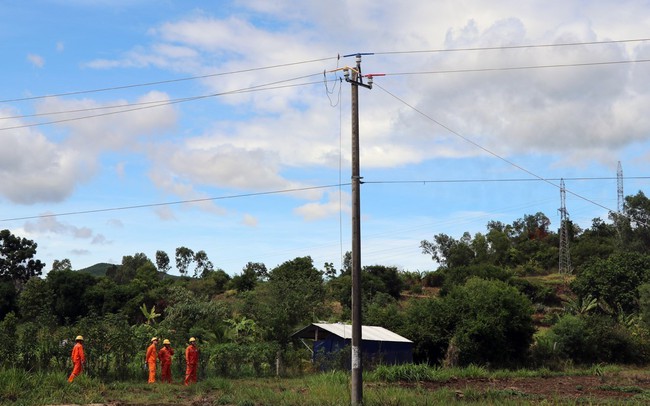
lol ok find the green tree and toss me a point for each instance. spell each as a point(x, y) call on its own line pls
point(147, 273)
point(347, 263)
point(615, 280)
point(637, 207)
point(534, 245)
point(383, 310)
point(36, 300)
point(162, 261)
point(260, 270)
point(531, 227)
point(146, 287)
point(187, 315)
point(449, 252)
point(106, 296)
point(127, 271)
point(599, 241)
point(8, 296)
point(498, 239)
point(390, 281)
point(637, 213)
point(295, 297)
point(330, 271)
point(459, 275)
point(245, 281)
point(481, 247)
point(17, 261)
point(210, 284)
point(62, 265)
point(203, 265)
point(111, 347)
point(184, 257)
point(339, 289)
point(69, 288)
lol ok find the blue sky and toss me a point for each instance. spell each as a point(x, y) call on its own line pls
point(420, 125)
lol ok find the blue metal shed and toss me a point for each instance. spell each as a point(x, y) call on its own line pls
point(378, 345)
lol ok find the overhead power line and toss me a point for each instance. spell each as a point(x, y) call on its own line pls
point(152, 104)
point(504, 47)
point(217, 74)
point(160, 82)
point(558, 65)
point(338, 185)
point(268, 86)
point(424, 181)
point(141, 206)
point(494, 154)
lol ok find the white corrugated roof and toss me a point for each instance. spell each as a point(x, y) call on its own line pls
point(370, 333)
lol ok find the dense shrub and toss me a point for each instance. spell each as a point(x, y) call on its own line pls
point(595, 338)
point(544, 353)
point(428, 323)
point(383, 311)
point(458, 276)
point(615, 280)
point(384, 279)
point(8, 338)
point(644, 304)
point(536, 292)
point(493, 325)
point(434, 279)
point(238, 360)
point(569, 335)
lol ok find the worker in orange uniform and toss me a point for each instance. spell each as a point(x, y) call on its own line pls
point(165, 356)
point(151, 358)
point(78, 358)
point(192, 361)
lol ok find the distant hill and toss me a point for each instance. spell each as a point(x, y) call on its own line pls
point(101, 268)
point(97, 269)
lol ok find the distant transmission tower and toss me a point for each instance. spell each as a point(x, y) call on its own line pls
point(565, 258)
point(619, 187)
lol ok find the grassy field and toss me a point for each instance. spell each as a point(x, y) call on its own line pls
point(413, 385)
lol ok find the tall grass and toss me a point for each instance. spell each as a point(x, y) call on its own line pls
point(15, 383)
point(405, 372)
point(383, 386)
point(21, 387)
point(422, 373)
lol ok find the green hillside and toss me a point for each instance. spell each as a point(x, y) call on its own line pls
point(97, 269)
point(101, 268)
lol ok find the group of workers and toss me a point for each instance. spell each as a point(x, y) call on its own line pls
point(165, 357)
point(151, 358)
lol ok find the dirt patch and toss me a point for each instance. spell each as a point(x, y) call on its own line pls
point(552, 388)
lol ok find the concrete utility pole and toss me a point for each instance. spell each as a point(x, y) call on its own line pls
point(356, 395)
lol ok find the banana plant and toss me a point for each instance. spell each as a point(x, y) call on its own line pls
point(150, 315)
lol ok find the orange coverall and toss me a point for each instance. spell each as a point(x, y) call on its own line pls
point(78, 359)
point(151, 362)
point(165, 356)
point(192, 361)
